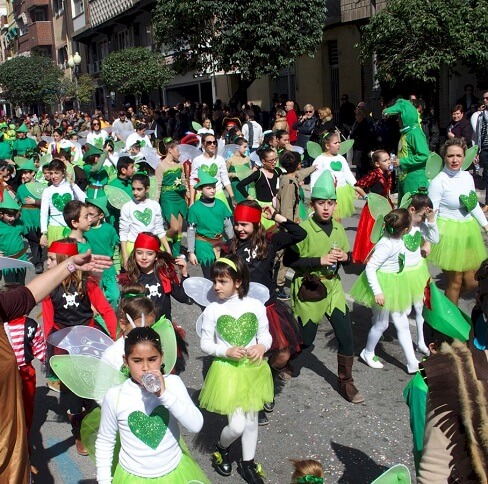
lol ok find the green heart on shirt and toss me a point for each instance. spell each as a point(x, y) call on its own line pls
point(412, 242)
point(150, 429)
point(240, 331)
point(210, 169)
point(60, 201)
point(143, 217)
point(469, 201)
point(336, 165)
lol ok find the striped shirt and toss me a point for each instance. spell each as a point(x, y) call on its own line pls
point(27, 340)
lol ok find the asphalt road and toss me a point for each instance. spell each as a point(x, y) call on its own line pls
point(355, 443)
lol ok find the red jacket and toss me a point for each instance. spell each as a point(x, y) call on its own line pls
point(291, 119)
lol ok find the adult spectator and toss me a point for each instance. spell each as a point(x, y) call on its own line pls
point(479, 121)
point(14, 457)
point(183, 118)
point(305, 125)
point(122, 126)
point(361, 134)
point(428, 123)
point(325, 124)
point(252, 130)
point(459, 127)
point(469, 101)
point(280, 121)
point(347, 115)
point(158, 125)
point(291, 119)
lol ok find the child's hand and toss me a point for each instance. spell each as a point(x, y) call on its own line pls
point(379, 299)
point(340, 254)
point(425, 249)
point(43, 240)
point(29, 201)
point(193, 259)
point(236, 353)
point(256, 352)
point(268, 212)
point(329, 259)
point(430, 215)
point(180, 261)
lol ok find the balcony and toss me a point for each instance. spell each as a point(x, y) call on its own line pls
point(36, 3)
point(102, 11)
point(38, 34)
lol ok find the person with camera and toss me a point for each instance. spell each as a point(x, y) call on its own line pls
point(305, 125)
point(479, 122)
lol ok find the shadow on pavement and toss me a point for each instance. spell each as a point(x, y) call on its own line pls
point(358, 467)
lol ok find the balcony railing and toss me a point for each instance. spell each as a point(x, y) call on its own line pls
point(102, 11)
point(36, 3)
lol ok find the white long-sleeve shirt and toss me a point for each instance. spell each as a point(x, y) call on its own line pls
point(385, 258)
point(343, 176)
point(213, 343)
point(50, 215)
point(430, 233)
point(130, 224)
point(135, 456)
point(222, 174)
point(444, 191)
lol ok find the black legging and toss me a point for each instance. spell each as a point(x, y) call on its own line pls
point(341, 324)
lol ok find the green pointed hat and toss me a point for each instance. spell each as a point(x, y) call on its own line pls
point(92, 150)
point(99, 202)
point(444, 316)
point(9, 202)
point(398, 474)
point(3, 125)
point(22, 129)
point(204, 178)
point(324, 188)
point(27, 165)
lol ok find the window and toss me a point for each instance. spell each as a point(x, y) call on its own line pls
point(126, 38)
point(78, 7)
point(58, 7)
point(39, 14)
point(62, 57)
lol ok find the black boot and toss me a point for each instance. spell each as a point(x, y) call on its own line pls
point(221, 461)
point(249, 472)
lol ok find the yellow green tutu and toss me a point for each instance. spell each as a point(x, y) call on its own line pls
point(460, 248)
point(345, 201)
point(187, 471)
point(393, 285)
point(231, 384)
point(57, 232)
point(416, 278)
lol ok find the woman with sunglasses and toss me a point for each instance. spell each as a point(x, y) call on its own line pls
point(96, 136)
point(215, 166)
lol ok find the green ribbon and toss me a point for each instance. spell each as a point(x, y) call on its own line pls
point(310, 479)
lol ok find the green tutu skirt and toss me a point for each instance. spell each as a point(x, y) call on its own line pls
point(345, 201)
point(187, 471)
point(57, 232)
point(396, 297)
point(267, 224)
point(231, 384)
point(460, 248)
point(416, 278)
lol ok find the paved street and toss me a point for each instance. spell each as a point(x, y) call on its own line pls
point(355, 443)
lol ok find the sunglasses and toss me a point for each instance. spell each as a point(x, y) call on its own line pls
point(309, 111)
point(96, 124)
point(210, 143)
point(485, 98)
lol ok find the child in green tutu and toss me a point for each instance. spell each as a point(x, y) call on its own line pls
point(383, 286)
point(147, 421)
point(239, 382)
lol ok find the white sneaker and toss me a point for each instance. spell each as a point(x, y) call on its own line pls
point(422, 348)
point(371, 359)
point(413, 368)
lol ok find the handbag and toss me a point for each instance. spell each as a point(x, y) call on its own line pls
point(312, 289)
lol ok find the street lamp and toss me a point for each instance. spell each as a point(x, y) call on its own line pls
point(74, 62)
